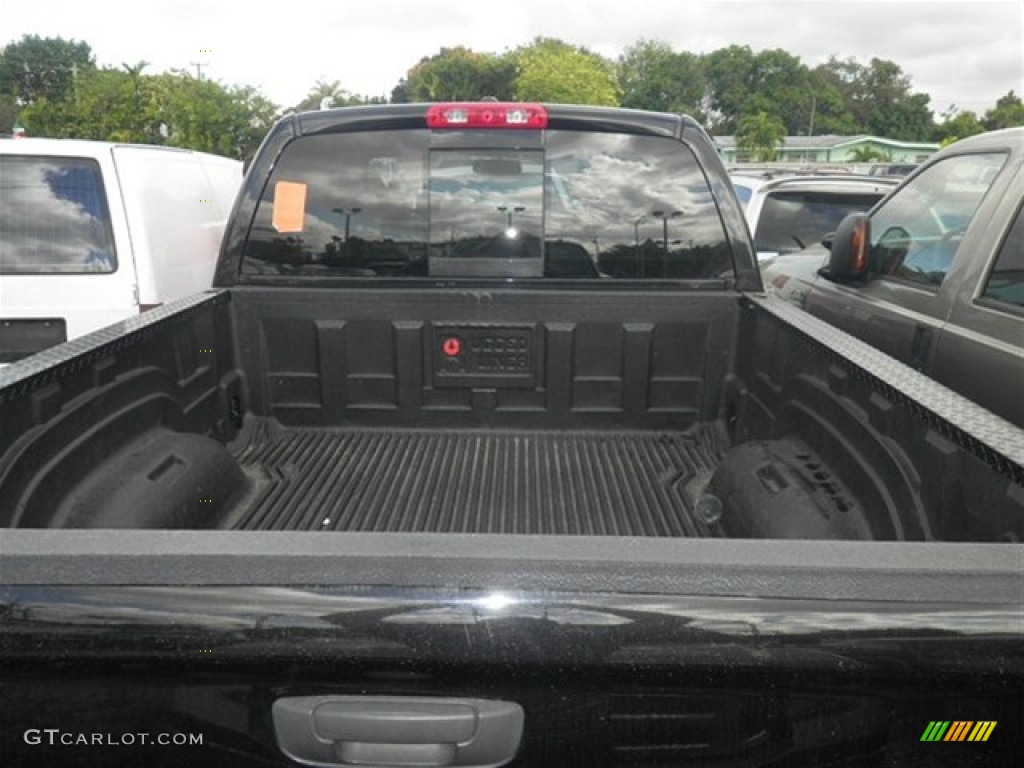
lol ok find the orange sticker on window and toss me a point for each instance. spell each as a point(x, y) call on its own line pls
point(289, 206)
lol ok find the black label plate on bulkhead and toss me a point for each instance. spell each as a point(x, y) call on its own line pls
point(488, 356)
point(21, 337)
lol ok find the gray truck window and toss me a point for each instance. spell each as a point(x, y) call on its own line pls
point(915, 234)
point(576, 205)
point(1006, 281)
point(53, 217)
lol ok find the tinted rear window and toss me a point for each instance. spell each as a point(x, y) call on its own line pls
point(53, 217)
point(793, 220)
point(567, 205)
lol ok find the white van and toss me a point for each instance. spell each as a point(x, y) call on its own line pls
point(94, 232)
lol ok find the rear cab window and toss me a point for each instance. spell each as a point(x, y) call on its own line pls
point(472, 204)
point(54, 217)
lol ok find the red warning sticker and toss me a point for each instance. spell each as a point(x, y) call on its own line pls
point(452, 347)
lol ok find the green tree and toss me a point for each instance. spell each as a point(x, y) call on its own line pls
point(108, 105)
point(127, 105)
point(908, 119)
point(879, 98)
point(729, 75)
point(653, 76)
point(9, 110)
point(253, 114)
point(553, 71)
point(43, 68)
point(760, 135)
point(1007, 113)
point(459, 74)
point(207, 116)
point(956, 126)
point(139, 96)
point(850, 78)
point(742, 83)
point(400, 93)
point(781, 85)
point(830, 113)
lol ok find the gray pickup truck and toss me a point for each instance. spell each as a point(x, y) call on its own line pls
point(488, 449)
point(934, 275)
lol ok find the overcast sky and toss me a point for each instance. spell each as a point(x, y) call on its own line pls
point(964, 53)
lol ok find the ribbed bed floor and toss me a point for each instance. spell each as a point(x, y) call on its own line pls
point(587, 483)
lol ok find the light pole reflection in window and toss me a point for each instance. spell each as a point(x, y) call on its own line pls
point(348, 213)
point(510, 231)
point(636, 245)
point(665, 216)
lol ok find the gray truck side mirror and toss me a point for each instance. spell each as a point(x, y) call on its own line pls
point(848, 260)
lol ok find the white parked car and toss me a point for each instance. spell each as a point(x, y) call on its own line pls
point(94, 232)
point(788, 213)
point(792, 275)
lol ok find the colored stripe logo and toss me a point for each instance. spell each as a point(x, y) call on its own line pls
point(958, 730)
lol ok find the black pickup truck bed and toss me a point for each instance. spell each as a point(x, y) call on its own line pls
point(468, 481)
point(676, 414)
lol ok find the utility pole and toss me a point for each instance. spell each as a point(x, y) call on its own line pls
point(199, 68)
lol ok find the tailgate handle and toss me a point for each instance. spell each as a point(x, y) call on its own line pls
point(397, 731)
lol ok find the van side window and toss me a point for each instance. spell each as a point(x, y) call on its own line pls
point(915, 234)
point(1006, 281)
point(54, 217)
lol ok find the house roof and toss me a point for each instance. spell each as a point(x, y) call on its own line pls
point(832, 142)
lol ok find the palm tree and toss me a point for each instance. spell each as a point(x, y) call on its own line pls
point(324, 93)
point(135, 73)
point(867, 154)
point(134, 70)
point(760, 135)
point(139, 118)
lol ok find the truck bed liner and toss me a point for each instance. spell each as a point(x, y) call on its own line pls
point(476, 481)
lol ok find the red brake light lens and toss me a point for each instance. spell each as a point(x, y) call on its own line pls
point(487, 114)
